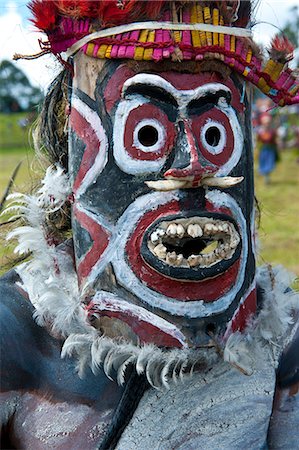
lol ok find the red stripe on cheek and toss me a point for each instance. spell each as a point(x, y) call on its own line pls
point(245, 311)
point(242, 315)
point(85, 132)
point(146, 325)
point(100, 237)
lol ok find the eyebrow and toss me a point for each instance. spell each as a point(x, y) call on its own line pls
point(157, 88)
point(211, 98)
point(153, 92)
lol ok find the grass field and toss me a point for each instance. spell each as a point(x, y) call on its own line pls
point(279, 203)
point(12, 134)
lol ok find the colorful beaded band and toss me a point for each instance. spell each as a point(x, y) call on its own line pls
point(187, 31)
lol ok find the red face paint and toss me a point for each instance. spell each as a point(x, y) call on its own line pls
point(161, 127)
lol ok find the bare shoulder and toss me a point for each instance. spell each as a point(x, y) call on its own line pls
point(21, 339)
point(39, 387)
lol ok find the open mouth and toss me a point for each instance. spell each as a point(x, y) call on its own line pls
point(193, 247)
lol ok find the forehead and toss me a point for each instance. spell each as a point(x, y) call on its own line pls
point(89, 70)
point(169, 80)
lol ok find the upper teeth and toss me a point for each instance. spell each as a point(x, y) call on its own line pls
point(194, 230)
point(224, 237)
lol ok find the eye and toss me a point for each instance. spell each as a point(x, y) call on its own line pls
point(143, 137)
point(149, 135)
point(215, 132)
point(213, 137)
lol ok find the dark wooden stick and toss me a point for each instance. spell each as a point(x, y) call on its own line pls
point(9, 185)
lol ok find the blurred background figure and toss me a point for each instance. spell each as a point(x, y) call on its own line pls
point(267, 136)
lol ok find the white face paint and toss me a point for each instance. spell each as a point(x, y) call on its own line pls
point(213, 137)
point(193, 272)
point(148, 153)
point(158, 134)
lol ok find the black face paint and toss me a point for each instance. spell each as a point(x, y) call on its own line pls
point(178, 248)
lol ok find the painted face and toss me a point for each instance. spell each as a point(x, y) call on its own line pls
point(160, 244)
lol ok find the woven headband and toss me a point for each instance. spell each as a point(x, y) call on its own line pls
point(108, 32)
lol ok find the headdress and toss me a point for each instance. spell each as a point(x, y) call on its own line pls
point(174, 30)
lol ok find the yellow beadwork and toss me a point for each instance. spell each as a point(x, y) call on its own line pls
point(270, 67)
point(263, 85)
point(202, 34)
point(102, 51)
point(278, 69)
point(233, 44)
point(108, 52)
point(89, 49)
point(177, 36)
point(207, 19)
point(195, 34)
point(215, 22)
point(148, 52)
point(221, 35)
point(139, 51)
point(249, 55)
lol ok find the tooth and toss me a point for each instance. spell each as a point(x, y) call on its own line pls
point(222, 253)
point(208, 228)
point(193, 260)
point(194, 230)
point(225, 227)
point(160, 232)
point(234, 242)
point(171, 230)
point(180, 259)
point(160, 251)
point(155, 237)
point(171, 258)
point(208, 259)
point(213, 258)
point(214, 229)
point(180, 230)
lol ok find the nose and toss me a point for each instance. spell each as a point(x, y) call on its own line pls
point(188, 163)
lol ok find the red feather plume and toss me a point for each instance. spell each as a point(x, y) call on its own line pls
point(109, 12)
point(44, 14)
point(281, 49)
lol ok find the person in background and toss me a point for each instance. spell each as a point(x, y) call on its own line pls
point(267, 137)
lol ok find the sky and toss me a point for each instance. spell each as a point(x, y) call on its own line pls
point(17, 35)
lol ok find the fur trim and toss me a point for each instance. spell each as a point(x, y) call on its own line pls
point(161, 367)
point(269, 333)
point(51, 282)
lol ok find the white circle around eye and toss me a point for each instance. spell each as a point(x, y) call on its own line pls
point(155, 133)
point(213, 137)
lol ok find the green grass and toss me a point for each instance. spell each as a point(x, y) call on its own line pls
point(12, 135)
point(279, 203)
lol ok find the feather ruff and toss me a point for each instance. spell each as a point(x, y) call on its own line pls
point(269, 333)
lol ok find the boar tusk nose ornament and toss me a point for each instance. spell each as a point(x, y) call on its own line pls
point(172, 184)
